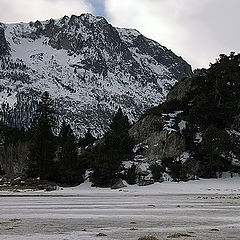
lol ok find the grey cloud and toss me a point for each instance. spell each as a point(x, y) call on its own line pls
point(197, 30)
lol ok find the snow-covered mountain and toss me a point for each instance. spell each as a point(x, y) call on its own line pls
point(89, 67)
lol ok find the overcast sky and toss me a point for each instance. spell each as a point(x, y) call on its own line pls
point(197, 30)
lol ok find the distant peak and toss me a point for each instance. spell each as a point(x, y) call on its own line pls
point(86, 17)
point(91, 18)
point(2, 25)
point(64, 19)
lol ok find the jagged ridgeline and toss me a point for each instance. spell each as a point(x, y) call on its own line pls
point(196, 132)
point(89, 68)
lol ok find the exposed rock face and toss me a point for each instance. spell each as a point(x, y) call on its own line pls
point(180, 89)
point(174, 145)
point(145, 127)
point(200, 135)
point(4, 48)
point(13, 158)
point(186, 85)
point(154, 142)
point(89, 67)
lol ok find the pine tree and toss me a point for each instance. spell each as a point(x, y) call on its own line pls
point(157, 171)
point(43, 143)
point(69, 170)
point(116, 147)
point(131, 176)
point(120, 122)
point(214, 144)
point(1, 171)
point(46, 110)
point(88, 139)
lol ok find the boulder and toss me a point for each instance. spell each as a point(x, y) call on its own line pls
point(118, 184)
point(145, 182)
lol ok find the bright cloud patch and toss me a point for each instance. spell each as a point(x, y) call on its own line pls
point(31, 10)
point(197, 30)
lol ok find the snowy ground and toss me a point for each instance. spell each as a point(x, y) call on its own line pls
point(204, 209)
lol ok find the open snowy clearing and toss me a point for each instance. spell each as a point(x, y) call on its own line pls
point(204, 209)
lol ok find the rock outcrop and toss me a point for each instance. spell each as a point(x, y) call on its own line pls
point(199, 124)
point(118, 184)
point(180, 89)
point(154, 142)
point(145, 127)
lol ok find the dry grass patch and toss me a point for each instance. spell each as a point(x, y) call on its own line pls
point(179, 235)
point(148, 238)
point(133, 229)
point(15, 220)
point(4, 223)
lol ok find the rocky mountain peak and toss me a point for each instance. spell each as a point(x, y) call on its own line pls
point(89, 67)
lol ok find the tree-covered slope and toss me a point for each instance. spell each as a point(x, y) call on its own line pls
point(196, 132)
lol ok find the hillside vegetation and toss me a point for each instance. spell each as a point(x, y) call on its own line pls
point(195, 133)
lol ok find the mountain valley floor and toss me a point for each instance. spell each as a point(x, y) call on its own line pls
point(200, 209)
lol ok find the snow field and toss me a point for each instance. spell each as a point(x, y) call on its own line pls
point(204, 209)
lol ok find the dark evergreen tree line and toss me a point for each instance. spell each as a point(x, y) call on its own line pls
point(57, 158)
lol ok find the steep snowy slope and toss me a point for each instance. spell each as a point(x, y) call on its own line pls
point(89, 68)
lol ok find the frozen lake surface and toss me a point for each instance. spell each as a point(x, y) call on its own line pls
point(205, 209)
